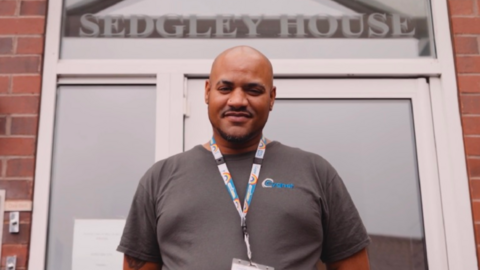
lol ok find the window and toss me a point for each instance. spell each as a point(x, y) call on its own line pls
point(304, 29)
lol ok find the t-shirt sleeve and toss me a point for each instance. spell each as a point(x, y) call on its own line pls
point(344, 232)
point(139, 238)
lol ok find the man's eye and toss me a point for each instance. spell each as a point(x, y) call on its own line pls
point(255, 91)
point(224, 88)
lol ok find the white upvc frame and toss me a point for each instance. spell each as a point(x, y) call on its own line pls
point(415, 90)
point(170, 79)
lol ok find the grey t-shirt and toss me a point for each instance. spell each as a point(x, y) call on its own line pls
point(183, 216)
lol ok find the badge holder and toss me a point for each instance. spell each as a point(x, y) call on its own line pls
point(238, 264)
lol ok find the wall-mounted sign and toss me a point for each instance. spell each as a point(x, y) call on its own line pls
point(375, 25)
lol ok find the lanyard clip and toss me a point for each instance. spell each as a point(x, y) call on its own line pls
point(244, 224)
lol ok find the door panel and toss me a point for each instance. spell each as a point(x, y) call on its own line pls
point(365, 128)
point(104, 142)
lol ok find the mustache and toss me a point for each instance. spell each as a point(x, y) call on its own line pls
point(243, 110)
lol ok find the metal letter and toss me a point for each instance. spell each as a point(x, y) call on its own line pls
point(285, 24)
point(346, 27)
point(89, 25)
point(377, 22)
point(223, 23)
point(400, 26)
point(179, 29)
point(252, 26)
point(332, 26)
point(149, 26)
point(193, 28)
point(111, 25)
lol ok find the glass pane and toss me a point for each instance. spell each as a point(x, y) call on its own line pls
point(371, 143)
point(104, 143)
point(282, 29)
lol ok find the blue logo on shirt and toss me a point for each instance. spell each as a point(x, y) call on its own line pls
point(269, 183)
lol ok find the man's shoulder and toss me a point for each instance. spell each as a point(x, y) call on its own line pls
point(294, 156)
point(197, 153)
point(180, 161)
point(279, 148)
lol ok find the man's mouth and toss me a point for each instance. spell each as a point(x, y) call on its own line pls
point(237, 114)
point(237, 117)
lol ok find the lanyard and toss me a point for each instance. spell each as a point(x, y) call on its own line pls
point(252, 182)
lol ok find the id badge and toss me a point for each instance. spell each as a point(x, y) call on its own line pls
point(238, 264)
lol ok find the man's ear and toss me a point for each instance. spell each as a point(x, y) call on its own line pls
point(273, 95)
point(207, 91)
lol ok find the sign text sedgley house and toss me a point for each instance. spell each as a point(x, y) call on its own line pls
point(375, 25)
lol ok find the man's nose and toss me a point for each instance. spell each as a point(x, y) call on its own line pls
point(237, 98)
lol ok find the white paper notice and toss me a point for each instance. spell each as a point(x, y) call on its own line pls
point(95, 243)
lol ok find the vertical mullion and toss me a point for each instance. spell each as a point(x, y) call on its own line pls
point(433, 218)
point(162, 117)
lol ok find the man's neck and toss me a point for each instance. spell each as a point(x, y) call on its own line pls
point(229, 148)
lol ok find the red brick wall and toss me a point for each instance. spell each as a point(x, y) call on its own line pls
point(22, 26)
point(465, 19)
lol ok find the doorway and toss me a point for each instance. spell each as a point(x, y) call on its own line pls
point(378, 134)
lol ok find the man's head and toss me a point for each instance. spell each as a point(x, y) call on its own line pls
point(240, 94)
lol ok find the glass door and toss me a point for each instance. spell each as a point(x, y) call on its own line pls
point(104, 142)
point(369, 131)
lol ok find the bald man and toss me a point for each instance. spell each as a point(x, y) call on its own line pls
point(242, 201)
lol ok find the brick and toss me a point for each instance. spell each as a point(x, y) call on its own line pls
point(21, 251)
point(3, 126)
point(4, 84)
point(472, 146)
point(33, 8)
point(469, 83)
point(471, 125)
point(476, 211)
point(461, 7)
point(470, 104)
point(30, 45)
point(478, 252)
point(466, 25)
point(6, 44)
point(19, 64)
point(475, 187)
point(26, 84)
point(19, 104)
point(17, 189)
point(466, 45)
point(468, 64)
point(17, 146)
point(20, 167)
point(477, 234)
point(7, 8)
point(24, 126)
point(22, 237)
point(23, 26)
point(473, 167)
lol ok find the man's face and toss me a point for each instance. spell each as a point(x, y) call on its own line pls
point(240, 96)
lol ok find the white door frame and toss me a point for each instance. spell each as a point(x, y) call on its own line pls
point(169, 76)
point(415, 90)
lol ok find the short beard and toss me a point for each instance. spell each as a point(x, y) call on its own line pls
point(236, 139)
